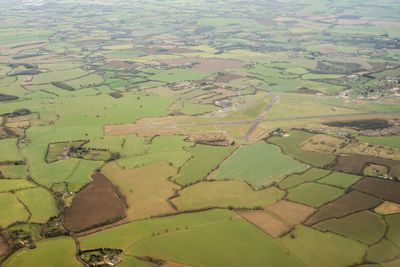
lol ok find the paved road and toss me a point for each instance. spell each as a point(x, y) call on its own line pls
point(259, 118)
point(223, 123)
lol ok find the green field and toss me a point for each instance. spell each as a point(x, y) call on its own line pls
point(393, 228)
point(308, 176)
point(205, 160)
point(289, 145)
point(123, 235)
point(59, 251)
point(315, 248)
point(10, 145)
point(199, 113)
point(11, 210)
point(259, 165)
point(314, 194)
point(14, 184)
point(340, 179)
point(382, 251)
point(40, 203)
point(250, 250)
point(225, 194)
point(13, 171)
point(381, 140)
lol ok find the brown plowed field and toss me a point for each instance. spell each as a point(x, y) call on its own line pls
point(347, 204)
point(382, 188)
point(174, 264)
point(3, 247)
point(96, 204)
point(356, 163)
point(278, 218)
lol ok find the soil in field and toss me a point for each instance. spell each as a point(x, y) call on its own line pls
point(347, 204)
point(361, 124)
point(356, 163)
point(381, 188)
point(4, 97)
point(226, 78)
point(96, 204)
point(278, 218)
point(3, 247)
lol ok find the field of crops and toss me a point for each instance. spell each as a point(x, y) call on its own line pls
point(199, 133)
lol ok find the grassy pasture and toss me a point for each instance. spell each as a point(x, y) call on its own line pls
point(13, 171)
point(146, 188)
point(291, 108)
point(290, 145)
point(366, 227)
point(308, 176)
point(177, 75)
point(123, 235)
point(81, 174)
point(205, 159)
point(259, 164)
point(61, 75)
point(340, 179)
point(393, 233)
point(11, 210)
point(381, 140)
point(10, 145)
point(247, 246)
point(314, 248)
point(224, 194)
point(58, 251)
point(314, 194)
point(14, 184)
point(382, 251)
point(169, 148)
point(40, 203)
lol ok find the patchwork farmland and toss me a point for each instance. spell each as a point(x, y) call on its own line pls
point(200, 133)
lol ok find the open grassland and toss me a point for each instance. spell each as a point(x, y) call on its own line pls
point(289, 108)
point(81, 174)
point(382, 251)
point(13, 171)
point(343, 180)
point(259, 165)
point(11, 210)
point(314, 248)
point(381, 140)
point(290, 145)
point(205, 160)
point(58, 251)
point(14, 184)
point(393, 233)
point(168, 148)
point(10, 145)
point(40, 203)
point(366, 227)
point(124, 235)
point(308, 176)
point(224, 194)
point(314, 194)
point(146, 188)
point(249, 250)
